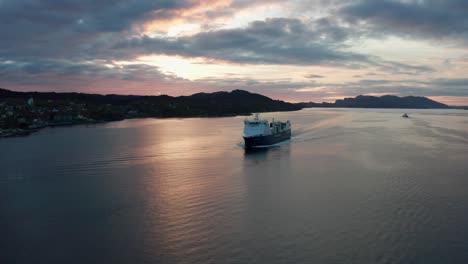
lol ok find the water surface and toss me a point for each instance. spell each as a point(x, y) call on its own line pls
point(352, 186)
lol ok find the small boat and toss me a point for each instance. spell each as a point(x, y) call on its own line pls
point(405, 115)
point(261, 133)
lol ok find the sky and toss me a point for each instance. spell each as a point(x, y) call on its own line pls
point(293, 50)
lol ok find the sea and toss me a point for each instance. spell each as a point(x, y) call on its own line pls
point(351, 186)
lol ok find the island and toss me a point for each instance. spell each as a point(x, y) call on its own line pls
point(24, 112)
point(386, 101)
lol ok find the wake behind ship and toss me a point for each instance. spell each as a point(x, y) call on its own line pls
point(261, 133)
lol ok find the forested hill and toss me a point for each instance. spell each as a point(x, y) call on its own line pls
point(236, 102)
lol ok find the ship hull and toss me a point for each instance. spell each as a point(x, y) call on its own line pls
point(261, 141)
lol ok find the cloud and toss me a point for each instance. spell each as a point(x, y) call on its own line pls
point(312, 76)
point(457, 82)
point(108, 30)
point(435, 19)
point(277, 41)
point(274, 41)
point(83, 15)
point(89, 68)
point(71, 28)
point(91, 76)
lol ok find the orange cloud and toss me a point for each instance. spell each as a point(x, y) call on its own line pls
point(204, 13)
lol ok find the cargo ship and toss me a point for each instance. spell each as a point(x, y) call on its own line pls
point(261, 133)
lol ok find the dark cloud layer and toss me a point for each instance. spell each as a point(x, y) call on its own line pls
point(70, 28)
point(274, 41)
point(90, 30)
point(93, 69)
point(446, 19)
point(313, 76)
point(82, 15)
point(277, 41)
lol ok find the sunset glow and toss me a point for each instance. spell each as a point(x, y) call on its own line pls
point(290, 50)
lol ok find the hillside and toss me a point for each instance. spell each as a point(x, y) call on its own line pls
point(19, 114)
point(115, 107)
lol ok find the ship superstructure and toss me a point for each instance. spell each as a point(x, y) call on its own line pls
point(259, 132)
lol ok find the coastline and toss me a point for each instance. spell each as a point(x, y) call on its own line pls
point(22, 132)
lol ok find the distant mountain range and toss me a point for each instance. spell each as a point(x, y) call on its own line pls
point(386, 101)
point(236, 102)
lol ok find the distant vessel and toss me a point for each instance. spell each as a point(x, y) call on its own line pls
point(405, 115)
point(260, 133)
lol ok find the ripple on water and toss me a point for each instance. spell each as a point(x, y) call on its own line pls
point(352, 186)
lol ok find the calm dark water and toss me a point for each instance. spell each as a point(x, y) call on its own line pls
point(352, 186)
